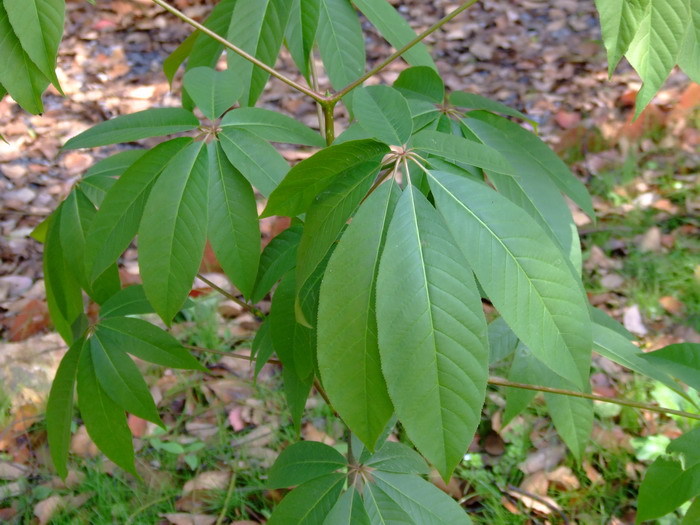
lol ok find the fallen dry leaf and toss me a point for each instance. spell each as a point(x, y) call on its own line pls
point(453, 487)
point(207, 481)
point(672, 305)
point(235, 419)
point(12, 471)
point(632, 319)
point(310, 433)
point(564, 478)
point(81, 444)
point(536, 483)
point(543, 459)
point(651, 240)
point(45, 510)
point(179, 518)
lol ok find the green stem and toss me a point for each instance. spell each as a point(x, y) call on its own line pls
point(329, 121)
point(437, 25)
point(250, 58)
point(314, 84)
point(249, 307)
point(496, 381)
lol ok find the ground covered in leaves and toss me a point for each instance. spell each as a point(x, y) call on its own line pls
point(642, 265)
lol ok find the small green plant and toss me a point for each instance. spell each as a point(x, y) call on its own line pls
point(428, 204)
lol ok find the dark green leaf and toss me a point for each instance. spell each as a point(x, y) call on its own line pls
point(341, 42)
point(422, 83)
point(692, 515)
point(619, 20)
point(348, 350)
point(432, 333)
point(474, 101)
point(114, 165)
point(679, 360)
point(152, 122)
point(383, 113)
point(296, 391)
point(349, 510)
point(309, 503)
point(96, 188)
point(175, 59)
point(119, 377)
point(262, 347)
point(308, 178)
point(128, 301)
point(278, 257)
point(146, 341)
point(118, 218)
point(502, 340)
point(234, 230)
point(382, 509)
point(301, 32)
point(254, 157)
point(302, 462)
point(212, 91)
point(665, 487)
point(173, 231)
point(59, 408)
point(104, 419)
point(273, 126)
point(397, 457)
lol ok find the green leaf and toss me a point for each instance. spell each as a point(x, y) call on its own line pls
point(175, 59)
point(257, 160)
point(296, 391)
point(600, 317)
point(349, 510)
point(502, 340)
point(432, 333)
point(666, 486)
point(257, 27)
point(39, 26)
point(173, 231)
point(262, 347)
point(689, 55)
point(423, 501)
point(619, 21)
point(19, 75)
point(311, 176)
point(383, 113)
point(398, 458)
point(341, 42)
point(128, 301)
point(118, 218)
point(301, 32)
point(309, 503)
point(146, 341)
point(59, 407)
point(63, 293)
point(523, 272)
point(121, 379)
point(395, 29)
point(234, 230)
point(459, 149)
point(474, 101)
point(692, 515)
point(654, 50)
point(154, 122)
point(533, 154)
point(273, 126)
point(532, 190)
point(104, 419)
point(278, 257)
point(348, 349)
point(114, 165)
point(521, 371)
point(302, 462)
point(421, 83)
point(96, 188)
point(680, 360)
point(327, 217)
point(382, 509)
point(213, 91)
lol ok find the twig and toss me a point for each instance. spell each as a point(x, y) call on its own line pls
point(249, 307)
point(539, 499)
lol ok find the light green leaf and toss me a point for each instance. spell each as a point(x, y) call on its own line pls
point(654, 50)
point(523, 272)
point(234, 230)
point(532, 155)
point(692, 515)
point(432, 333)
point(39, 26)
point(689, 55)
point(619, 21)
point(309, 503)
point(302, 462)
point(118, 218)
point(114, 165)
point(173, 231)
point(665, 487)
point(59, 407)
point(600, 317)
point(96, 188)
point(395, 29)
point(104, 419)
point(212, 91)
point(383, 113)
point(262, 347)
point(680, 360)
point(273, 126)
point(474, 101)
point(119, 377)
point(309, 177)
point(146, 341)
point(128, 301)
point(175, 59)
point(341, 42)
point(421, 83)
point(278, 257)
point(257, 27)
point(19, 75)
point(349, 510)
point(152, 122)
point(460, 149)
point(301, 32)
point(381, 509)
point(257, 160)
point(502, 340)
point(398, 458)
point(348, 350)
point(423, 501)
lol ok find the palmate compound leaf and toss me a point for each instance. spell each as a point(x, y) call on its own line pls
point(667, 484)
point(474, 101)
point(234, 230)
point(679, 360)
point(273, 126)
point(309, 503)
point(619, 21)
point(348, 510)
point(117, 220)
point(302, 462)
point(212, 91)
point(152, 122)
point(348, 351)
point(173, 230)
point(522, 270)
point(383, 113)
point(421, 83)
point(432, 333)
point(689, 55)
point(301, 32)
point(278, 257)
point(59, 408)
point(341, 42)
